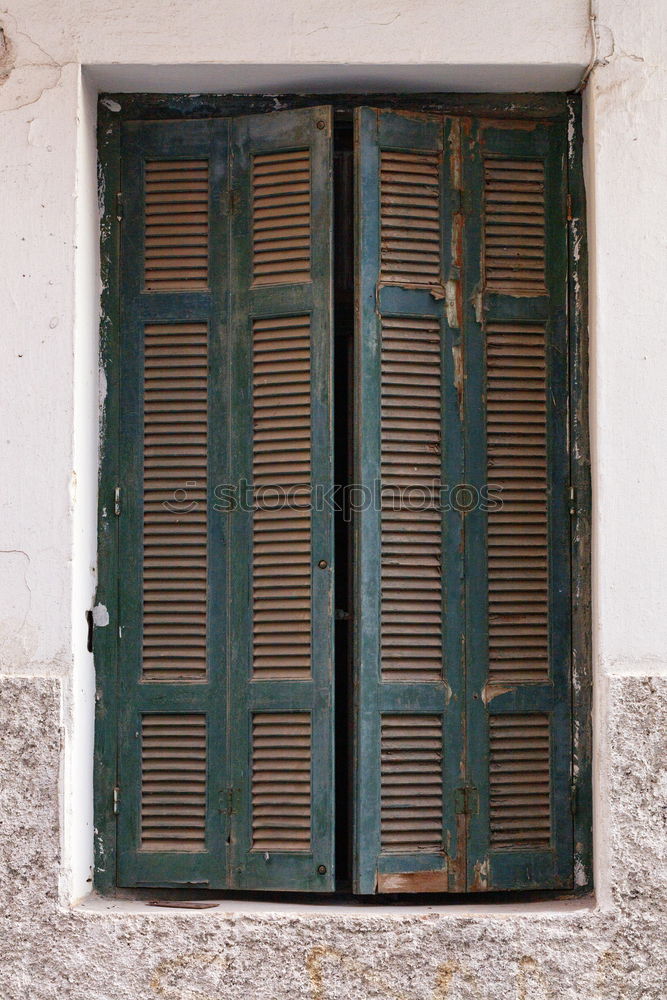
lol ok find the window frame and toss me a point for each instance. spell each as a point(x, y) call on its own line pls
point(113, 109)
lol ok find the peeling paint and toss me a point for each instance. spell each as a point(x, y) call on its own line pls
point(100, 616)
point(111, 104)
point(451, 305)
point(457, 358)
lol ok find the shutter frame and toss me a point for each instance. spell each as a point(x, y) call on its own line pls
point(380, 294)
point(493, 707)
point(142, 701)
point(308, 294)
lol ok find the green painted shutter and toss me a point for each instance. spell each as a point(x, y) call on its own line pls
point(172, 586)
point(463, 749)
point(225, 720)
point(408, 615)
point(281, 572)
point(517, 554)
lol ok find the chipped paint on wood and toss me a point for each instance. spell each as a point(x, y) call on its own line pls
point(430, 881)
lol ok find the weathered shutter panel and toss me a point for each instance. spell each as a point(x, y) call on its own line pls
point(172, 591)
point(408, 559)
point(281, 701)
point(517, 551)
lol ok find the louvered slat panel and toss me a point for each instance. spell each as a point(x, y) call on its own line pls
point(411, 783)
point(173, 782)
point(514, 225)
point(410, 218)
point(174, 518)
point(411, 618)
point(517, 532)
point(281, 781)
point(176, 225)
point(281, 217)
point(281, 471)
point(519, 782)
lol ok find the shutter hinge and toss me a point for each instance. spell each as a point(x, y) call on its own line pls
point(230, 801)
point(116, 800)
point(569, 208)
point(229, 202)
point(116, 501)
point(119, 205)
point(573, 797)
point(573, 500)
point(466, 800)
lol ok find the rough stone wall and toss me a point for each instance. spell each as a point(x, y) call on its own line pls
point(615, 952)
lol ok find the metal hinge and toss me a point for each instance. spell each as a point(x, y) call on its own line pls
point(573, 797)
point(573, 500)
point(466, 801)
point(119, 205)
point(230, 801)
point(116, 800)
point(569, 208)
point(116, 501)
point(229, 202)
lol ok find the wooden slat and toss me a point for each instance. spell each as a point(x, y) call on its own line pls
point(411, 553)
point(519, 782)
point(173, 782)
point(176, 225)
point(281, 224)
point(517, 532)
point(174, 512)
point(514, 226)
point(281, 781)
point(411, 783)
point(410, 218)
point(281, 473)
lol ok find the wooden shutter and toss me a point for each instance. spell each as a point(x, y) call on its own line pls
point(408, 553)
point(172, 587)
point(517, 553)
point(462, 615)
point(281, 440)
point(225, 725)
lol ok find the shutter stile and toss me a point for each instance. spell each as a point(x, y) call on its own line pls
point(172, 660)
point(518, 550)
point(404, 814)
point(282, 614)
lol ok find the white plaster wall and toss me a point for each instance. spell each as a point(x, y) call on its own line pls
point(48, 277)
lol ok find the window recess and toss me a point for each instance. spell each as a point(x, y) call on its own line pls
point(299, 701)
